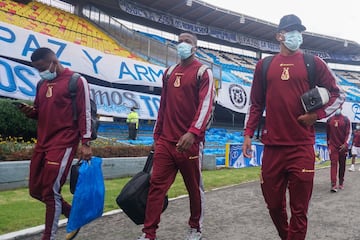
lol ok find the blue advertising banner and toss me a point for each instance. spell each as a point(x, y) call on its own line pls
point(19, 81)
point(235, 159)
point(19, 43)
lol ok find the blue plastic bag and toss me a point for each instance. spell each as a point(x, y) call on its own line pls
point(88, 200)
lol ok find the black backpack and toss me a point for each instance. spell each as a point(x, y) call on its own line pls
point(199, 74)
point(73, 89)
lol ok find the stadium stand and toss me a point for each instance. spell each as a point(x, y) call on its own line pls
point(87, 32)
point(239, 68)
point(58, 23)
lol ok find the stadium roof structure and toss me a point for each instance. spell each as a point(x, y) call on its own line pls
point(204, 14)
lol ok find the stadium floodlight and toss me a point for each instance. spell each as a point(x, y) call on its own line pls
point(242, 19)
point(189, 3)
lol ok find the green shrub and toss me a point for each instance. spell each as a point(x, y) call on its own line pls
point(18, 137)
point(14, 123)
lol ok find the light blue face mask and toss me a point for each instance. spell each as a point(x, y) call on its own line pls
point(338, 112)
point(293, 40)
point(47, 75)
point(184, 50)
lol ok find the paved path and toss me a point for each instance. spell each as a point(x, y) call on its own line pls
point(239, 213)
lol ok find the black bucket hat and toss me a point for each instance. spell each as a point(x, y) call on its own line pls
point(291, 22)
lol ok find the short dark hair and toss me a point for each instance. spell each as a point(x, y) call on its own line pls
point(41, 53)
point(193, 35)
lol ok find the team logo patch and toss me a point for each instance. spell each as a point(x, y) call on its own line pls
point(238, 96)
point(49, 91)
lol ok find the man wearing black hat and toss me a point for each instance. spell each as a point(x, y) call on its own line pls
point(288, 135)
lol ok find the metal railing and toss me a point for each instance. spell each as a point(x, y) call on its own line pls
point(154, 51)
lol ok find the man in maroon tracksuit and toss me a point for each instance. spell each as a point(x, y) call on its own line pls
point(288, 134)
point(185, 108)
point(338, 133)
point(58, 136)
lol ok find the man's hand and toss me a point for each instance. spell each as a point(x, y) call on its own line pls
point(246, 148)
point(308, 119)
point(185, 142)
point(85, 152)
point(25, 108)
point(343, 148)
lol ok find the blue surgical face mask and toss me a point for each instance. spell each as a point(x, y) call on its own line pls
point(293, 40)
point(338, 112)
point(47, 75)
point(184, 50)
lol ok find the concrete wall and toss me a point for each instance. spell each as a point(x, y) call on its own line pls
point(16, 174)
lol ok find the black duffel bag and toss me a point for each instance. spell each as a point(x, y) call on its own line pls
point(132, 198)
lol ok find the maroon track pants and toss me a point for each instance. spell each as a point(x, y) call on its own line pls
point(167, 162)
point(338, 159)
point(289, 167)
point(48, 172)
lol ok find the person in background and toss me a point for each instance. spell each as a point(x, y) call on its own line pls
point(58, 136)
point(179, 134)
point(133, 123)
point(338, 133)
point(355, 149)
point(288, 134)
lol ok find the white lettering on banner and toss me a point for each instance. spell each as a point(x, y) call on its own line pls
point(187, 26)
point(221, 34)
point(19, 43)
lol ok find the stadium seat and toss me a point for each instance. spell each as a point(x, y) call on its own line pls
point(61, 24)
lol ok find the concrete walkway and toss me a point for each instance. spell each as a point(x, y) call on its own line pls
point(239, 213)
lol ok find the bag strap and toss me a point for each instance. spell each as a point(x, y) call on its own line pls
point(39, 84)
point(168, 73)
point(149, 162)
point(310, 68)
point(265, 67)
point(200, 72)
point(72, 90)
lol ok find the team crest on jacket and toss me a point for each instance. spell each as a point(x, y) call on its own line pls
point(49, 92)
point(285, 74)
point(238, 96)
point(177, 81)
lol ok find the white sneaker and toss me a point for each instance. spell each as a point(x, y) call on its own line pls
point(352, 168)
point(193, 234)
point(142, 237)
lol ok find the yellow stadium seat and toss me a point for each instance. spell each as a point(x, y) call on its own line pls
point(45, 19)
